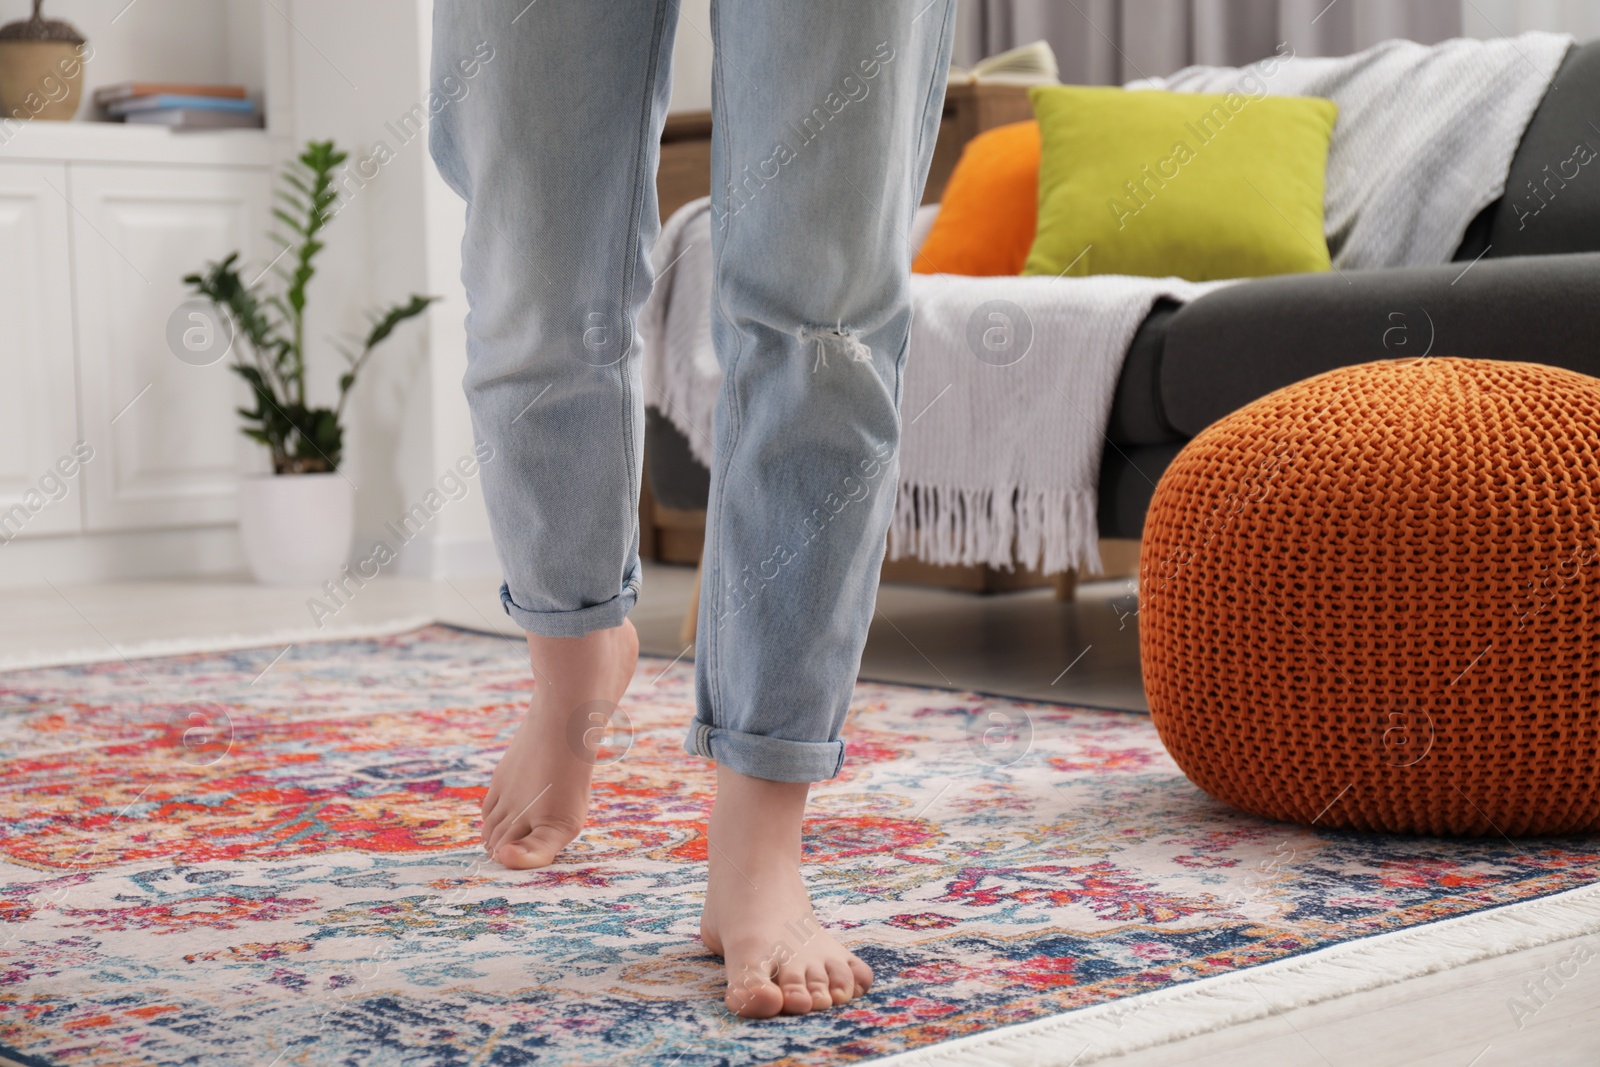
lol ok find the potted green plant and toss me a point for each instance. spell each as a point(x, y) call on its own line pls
point(295, 523)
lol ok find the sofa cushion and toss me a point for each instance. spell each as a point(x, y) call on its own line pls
point(1552, 198)
point(1128, 477)
point(1241, 342)
point(677, 479)
point(1137, 417)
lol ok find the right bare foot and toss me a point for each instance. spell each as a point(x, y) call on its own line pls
point(539, 794)
point(758, 915)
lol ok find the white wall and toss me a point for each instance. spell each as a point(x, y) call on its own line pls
point(691, 57)
point(459, 541)
point(402, 234)
point(356, 69)
point(1501, 18)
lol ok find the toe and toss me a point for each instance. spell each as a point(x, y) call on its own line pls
point(497, 822)
point(535, 849)
point(841, 983)
point(515, 857)
point(500, 828)
point(862, 973)
point(491, 831)
point(752, 995)
point(537, 833)
point(796, 997)
point(817, 986)
point(497, 792)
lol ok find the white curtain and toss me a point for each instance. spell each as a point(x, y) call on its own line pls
point(1504, 18)
point(1108, 42)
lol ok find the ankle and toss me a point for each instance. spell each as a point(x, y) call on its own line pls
point(612, 638)
point(754, 815)
point(574, 669)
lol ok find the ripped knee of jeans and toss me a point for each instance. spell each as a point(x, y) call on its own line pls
point(847, 341)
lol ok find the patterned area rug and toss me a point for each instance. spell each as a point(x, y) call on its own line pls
point(267, 857)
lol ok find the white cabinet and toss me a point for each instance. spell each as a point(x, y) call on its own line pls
point(38, 409)
point(165, 432)
point(99, 222)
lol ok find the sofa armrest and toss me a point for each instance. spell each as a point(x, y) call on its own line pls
point(1241, 342)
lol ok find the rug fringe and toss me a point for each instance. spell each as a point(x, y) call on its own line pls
point(1049, 530)
point(1093, 1034)
point(183, 646)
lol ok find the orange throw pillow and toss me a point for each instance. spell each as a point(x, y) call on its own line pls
point(989, 208)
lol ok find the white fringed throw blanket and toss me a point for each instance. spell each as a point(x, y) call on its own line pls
point(1000, 464)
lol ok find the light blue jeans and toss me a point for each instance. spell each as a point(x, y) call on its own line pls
point(825, 115)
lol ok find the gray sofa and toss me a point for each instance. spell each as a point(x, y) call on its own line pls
point(1525, 285)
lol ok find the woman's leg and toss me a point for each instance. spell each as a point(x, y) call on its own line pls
point(826, 114)
point(549, 125)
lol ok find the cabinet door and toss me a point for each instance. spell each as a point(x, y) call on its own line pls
point(38, 408)
point(164, 430)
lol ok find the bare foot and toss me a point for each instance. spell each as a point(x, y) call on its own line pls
point(758, 915)
point(539, 794)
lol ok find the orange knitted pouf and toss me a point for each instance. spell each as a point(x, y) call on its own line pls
point(1371, 600)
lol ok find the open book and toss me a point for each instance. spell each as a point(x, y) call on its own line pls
point(1030, 64)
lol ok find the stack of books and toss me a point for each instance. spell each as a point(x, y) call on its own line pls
point(1030, 64)
point(180, 106)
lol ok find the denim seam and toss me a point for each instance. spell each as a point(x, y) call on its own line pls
point(899, 387)
point(647, 113)
point(927, 104)
point(922, 129)
point(711, 579)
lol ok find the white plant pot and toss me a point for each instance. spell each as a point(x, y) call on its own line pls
point(296, 528)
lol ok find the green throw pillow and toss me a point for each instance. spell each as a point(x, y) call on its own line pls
point(1196, 185)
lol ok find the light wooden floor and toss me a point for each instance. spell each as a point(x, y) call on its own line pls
point(1017, 644)
point(1026, 645)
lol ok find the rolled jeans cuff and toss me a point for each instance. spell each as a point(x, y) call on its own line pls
point(602, 616)
point(772, 758)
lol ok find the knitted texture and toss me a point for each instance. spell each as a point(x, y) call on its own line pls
point(1371, 600)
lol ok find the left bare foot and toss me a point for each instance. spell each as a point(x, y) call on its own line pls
point(538, 797)
point(758, 915)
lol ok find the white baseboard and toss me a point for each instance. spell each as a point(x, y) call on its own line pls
point(204, 552)
point(467, 558)
point(191, 552)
